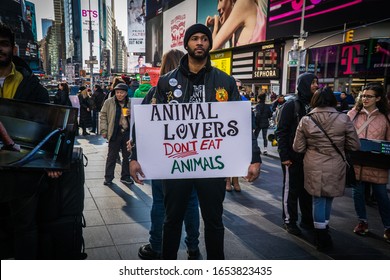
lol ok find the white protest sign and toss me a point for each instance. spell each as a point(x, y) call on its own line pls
point(133, 101)
point(194, 140)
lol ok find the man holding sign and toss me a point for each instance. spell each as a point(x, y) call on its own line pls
point(193, 82)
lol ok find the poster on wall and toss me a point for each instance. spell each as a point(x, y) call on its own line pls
point(194, 140)
point(90, 12)
point(176, 21)
point(136, 15)
point(243, 23)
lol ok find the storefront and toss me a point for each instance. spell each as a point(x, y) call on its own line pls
point(259, 66)
point(349, 66)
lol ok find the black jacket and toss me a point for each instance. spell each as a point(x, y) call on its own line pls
point(288, 122)
point(30, 89)
point(98, 98)
point(62, 98)
point(262, 114)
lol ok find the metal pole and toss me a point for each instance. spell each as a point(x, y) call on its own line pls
point(301, 38)
point(90, 39)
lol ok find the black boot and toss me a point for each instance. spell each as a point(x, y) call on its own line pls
point(323, 240)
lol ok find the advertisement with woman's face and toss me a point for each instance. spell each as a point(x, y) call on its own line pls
point(234, 22)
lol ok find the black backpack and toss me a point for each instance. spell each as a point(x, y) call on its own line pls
point(297, 107)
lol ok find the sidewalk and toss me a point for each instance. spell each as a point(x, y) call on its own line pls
point(118, 218)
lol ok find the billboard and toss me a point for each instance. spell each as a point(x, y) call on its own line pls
point(284, 17)
point(90, 12)
point(176, 21)
point(241, 23)
point(136, 15)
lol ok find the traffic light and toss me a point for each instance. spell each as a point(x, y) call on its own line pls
point(349, 36)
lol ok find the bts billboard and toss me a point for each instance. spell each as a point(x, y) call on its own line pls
point(90, 20)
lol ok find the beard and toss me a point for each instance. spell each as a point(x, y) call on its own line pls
point(192, 53)
point(5, 59)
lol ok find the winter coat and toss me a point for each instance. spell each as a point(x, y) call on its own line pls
point(262, 115)
point(288, 122)
point(98, 98)
point(378, 129)
point(62, 98)
point(85, 115)
point(324, 168)
point(109, 116)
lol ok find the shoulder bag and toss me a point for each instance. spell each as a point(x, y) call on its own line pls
point(350, 178)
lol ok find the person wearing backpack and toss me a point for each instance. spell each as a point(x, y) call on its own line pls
point(263, 114)
point(294, 192)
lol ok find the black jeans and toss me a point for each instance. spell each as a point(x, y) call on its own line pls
point(95, 119)
point(114, 146)
point(294, 193)
point(211, 194)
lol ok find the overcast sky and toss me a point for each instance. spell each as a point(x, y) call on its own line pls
point(44, 9)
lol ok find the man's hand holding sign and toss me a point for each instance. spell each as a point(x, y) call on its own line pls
point(193, 140)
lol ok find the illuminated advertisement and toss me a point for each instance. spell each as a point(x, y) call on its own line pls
point(90, 18)
point(222, 61)
point(234, 25)
point(284, 16)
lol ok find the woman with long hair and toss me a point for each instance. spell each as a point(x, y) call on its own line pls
point(370, 117)
point(62, 95)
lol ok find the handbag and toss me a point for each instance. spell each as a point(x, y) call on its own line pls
point(350, 179)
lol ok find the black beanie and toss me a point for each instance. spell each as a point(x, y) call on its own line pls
point(197, 28)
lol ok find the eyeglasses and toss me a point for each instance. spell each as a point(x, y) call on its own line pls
point(368, 96)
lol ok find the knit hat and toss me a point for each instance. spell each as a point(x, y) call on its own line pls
point(197, 28)
point(121, 86)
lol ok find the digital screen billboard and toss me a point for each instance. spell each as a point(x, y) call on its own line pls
point(284, 16)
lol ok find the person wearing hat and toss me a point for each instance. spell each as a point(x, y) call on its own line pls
point(144, 87)
point(115, 127)
point(194, 81)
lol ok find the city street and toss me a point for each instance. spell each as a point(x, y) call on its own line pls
point(118, 218)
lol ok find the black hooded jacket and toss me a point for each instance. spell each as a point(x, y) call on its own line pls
point(288, 123)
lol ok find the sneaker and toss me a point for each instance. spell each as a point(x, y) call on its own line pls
point(108, 183)
point(193, 254)
point(127, 181)
point(361, 228)
point(265, 152)
point(292, 228)
point(146, 252)
point(386, 235)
